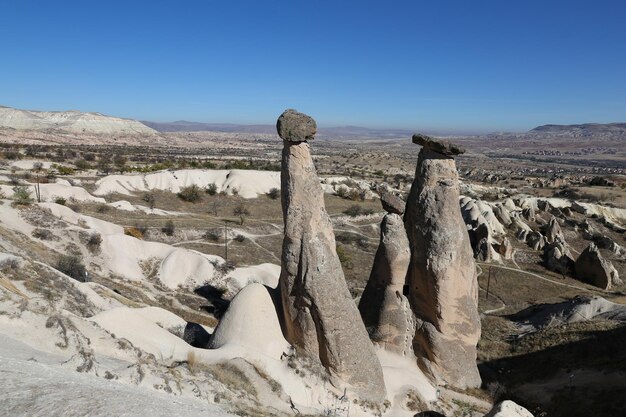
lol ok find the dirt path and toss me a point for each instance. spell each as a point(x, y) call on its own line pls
point(521, 271)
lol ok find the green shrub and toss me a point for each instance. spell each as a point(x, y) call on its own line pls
point(211, 189)
point(63, 170)
point(274, 193)
point(190, 194)
point(169, 228)
point(94, 241)
point(72, 266)
point(21, 195)
point(242, 212)
point(353, 210)
point(60, 200)
point(344, 257)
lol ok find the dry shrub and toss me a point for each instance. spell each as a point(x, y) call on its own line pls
point(134, 232)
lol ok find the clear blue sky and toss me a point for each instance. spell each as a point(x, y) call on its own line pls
point(438, 65)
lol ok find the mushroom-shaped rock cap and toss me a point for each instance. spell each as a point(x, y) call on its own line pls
point(437, 145)
point(293, 126)
point(392, 203)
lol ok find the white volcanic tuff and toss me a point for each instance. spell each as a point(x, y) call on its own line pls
point(126, 256)
point(508, 408)
point(251, 322)
point(319, 315)
point(34, 384)
point(127, 206)
point(247, 183)
point(71, 121)
point(477, 212)
point(540, 316)
point(51, 191)
point(442, 282)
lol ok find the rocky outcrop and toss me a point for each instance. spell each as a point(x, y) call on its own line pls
point(558, 257)
point(536, 240)
point(384, 308)
point(606, 242)
point(529, 214)
point(522, 230)
point(502, 214)
point(319, 315)
point(484, 252)
point(196, 335)
point(508, 408)
point(592, 268)
point(392, 203)
point(505, 249)
point(553, 231)
point(442, 147)
point(262, 334)
point(295, 127)
point(442, 284)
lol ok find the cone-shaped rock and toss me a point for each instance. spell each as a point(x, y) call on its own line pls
point(384, 308)
point(592, 268)
point(319, 314)
point(443, 288)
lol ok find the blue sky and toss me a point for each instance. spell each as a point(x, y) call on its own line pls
point(431, 65)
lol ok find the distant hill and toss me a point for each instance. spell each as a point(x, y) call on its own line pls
point(586, 129)
point(186, 126)
point(329, 132)
point(72, 121)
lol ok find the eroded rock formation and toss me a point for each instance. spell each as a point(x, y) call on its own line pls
point(384, 308)
point(443, 288)
point(320, 316)
point(592, 268)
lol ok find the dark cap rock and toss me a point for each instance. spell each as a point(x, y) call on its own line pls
point(437, 145)
point(294, 126)
point(392, 203)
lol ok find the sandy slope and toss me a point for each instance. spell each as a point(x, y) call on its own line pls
point(248, 183)
point(34, 384)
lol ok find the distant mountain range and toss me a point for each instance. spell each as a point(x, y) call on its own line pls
point(96, 123)
point(336, 132)
point(587, 129)
point(72, 121)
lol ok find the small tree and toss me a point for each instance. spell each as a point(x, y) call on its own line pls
point(21, 195)
point(72, 265)
point(104, 166)
point(215, 205)
point(274, 193)
point(190, 193)
point(211, 189)
point(120, 162)
point(168, 228)
point(94, 241)
point(242, 212)
point(353, 210)
point(150, 199)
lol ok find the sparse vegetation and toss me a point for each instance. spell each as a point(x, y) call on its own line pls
point(211, 189)
point(344, 257)
point(22, 195)
point(190, 194)
point(150, 199)
point(274, 193)
point(134, 232)
point(94, 241)
point(43, 234)
point(242, 212)
point(169, 228)
point(357, 210)
point(72, 266)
